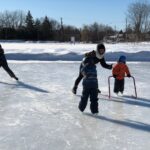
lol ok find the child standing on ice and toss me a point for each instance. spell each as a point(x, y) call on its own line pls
point(119, 71)
point(90, 86)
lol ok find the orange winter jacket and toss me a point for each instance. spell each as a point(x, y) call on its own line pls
point(120, 70)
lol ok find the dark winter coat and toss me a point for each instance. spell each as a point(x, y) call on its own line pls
point(90, 76)
point(97, 60)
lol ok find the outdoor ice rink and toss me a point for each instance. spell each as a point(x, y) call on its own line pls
point(40, 113)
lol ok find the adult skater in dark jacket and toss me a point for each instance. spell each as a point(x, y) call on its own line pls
point(90, 86)
point(98, 57)
point(3, 63)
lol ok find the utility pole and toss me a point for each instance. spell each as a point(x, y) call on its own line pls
point(126, 29)
point(62, 29)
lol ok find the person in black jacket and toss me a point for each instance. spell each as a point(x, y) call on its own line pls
point(98, 57)
point(3, 63)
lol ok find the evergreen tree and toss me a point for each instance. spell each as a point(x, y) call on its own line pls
point(38, 29)
point(46, 29)
point(29, 21)
point(30, 30)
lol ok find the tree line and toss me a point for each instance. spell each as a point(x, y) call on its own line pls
point(138, 20)
point(22, 26)
point(18, 25)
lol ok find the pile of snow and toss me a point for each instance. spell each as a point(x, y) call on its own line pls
point(73, 52)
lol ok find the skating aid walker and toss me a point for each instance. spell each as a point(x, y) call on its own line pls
point(133, 83)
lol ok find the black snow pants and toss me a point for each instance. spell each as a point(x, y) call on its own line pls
point(79, 78)
point(3, 63)
point(119, 86)
point(93, 94)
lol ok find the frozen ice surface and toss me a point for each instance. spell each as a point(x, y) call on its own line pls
point(40, 113)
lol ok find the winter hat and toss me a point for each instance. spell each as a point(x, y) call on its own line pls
point(122, 59)
point(100, 46)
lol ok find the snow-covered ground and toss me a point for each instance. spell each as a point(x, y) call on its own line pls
point(64, 48)
point(40, 113)
point(67, 51)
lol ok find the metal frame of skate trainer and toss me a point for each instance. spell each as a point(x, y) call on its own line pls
point(133, 83)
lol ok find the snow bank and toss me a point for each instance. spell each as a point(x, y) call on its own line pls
point(112, 56)
point(48, 51)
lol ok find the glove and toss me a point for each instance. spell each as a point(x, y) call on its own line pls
point(128, 75)
point(114, 76)
point(111, 66)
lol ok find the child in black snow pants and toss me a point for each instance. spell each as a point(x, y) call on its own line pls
point(90, 86)
point(120, 70)
point(3, 63)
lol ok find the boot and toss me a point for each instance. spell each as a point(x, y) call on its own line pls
point(16, 78)
point(74, 90)
point(98, 91)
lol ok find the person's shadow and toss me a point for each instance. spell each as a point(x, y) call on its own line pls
point(130, 101)
point(128, 123)
point(20, 84)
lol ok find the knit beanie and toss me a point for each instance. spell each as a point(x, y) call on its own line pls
point(100, 46)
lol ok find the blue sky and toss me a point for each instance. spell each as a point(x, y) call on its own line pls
point(74, 12)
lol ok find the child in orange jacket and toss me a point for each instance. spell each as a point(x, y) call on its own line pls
point(119, 71)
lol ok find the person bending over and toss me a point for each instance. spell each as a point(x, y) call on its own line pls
point(98, 57)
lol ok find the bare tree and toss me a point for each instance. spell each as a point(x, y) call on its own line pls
point(95, 32)
point(86, 34)
point(138, 16)
point(18, 19)
point(12, 19)
point(2, 21)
